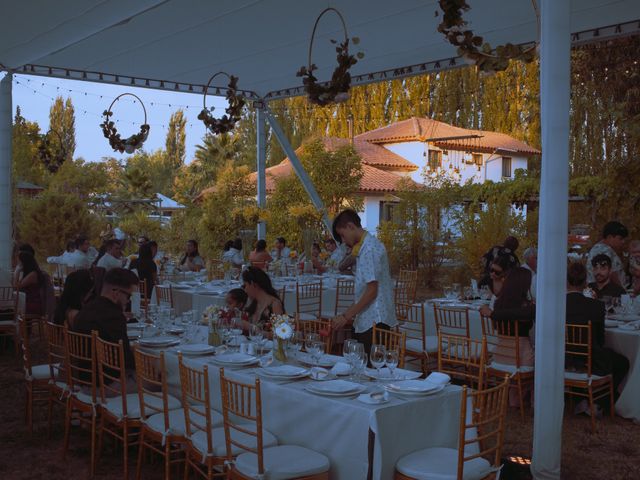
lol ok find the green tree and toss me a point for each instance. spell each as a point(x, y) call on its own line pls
point(62, 121)
point(175, 142)
point(25, 139)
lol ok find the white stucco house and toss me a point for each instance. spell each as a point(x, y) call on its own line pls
point(415, 147)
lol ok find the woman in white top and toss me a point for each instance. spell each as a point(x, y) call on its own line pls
point(233, 252)
point(191, 261)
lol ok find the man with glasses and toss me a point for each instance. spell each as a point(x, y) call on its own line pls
point(613, 238)
point(603, 286)
point(106, 313)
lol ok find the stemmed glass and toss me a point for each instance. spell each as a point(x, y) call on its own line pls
point(316, 349)
point(355, 357)
point(256, 335)
point(391, 358)
point(377, 357)
point(309, 339)
point(295, 343)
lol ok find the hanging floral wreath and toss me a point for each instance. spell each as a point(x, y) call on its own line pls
point(471, 47)
point(233, 112)
point(52, 161)
point(128, 145)
point(336, 90)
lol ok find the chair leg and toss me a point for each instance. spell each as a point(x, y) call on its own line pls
point(125, 442)
point(30, 409)
point(50, 414)
point(94, 458)
point(100, 435)
point(520, 397)
point(67, 428)
point(140, 454)
point(612, 407)
point(592, 410)
point(167, 460)
point(186, 465)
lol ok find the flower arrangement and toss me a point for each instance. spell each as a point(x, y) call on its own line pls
point(324, 256)
point(233, 112)
point(110, 132)
point(293, 254)
point(215, 313)
point(282, 328)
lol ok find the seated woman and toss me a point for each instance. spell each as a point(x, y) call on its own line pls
point(191, 260)
point(260, 257)
point(318, 264)
point(32, 282)
point(77, 290)
point(147, 268)
point(264, 300)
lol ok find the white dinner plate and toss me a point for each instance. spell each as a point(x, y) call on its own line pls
point(398, 374)
point(175, 330)
point(284, 372)
point(325, 360)
point(159, 342)
point(624, 317)
point(336, 388)
point(196, 349)
point(414, 387)
point(135, 326)
point(235, 358)
point(180, 287)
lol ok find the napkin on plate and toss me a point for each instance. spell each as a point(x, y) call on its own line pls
point(438, 378)
point(341, 368)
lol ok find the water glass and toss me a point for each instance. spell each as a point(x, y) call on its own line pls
point(256, 335)
point(377, 357)
point(316, 349)
point(310, 339)
point(391, 359)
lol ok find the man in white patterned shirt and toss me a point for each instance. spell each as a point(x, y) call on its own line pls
point(373, 286)
point(613, 238)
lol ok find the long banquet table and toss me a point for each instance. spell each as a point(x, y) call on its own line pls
point(340, 427)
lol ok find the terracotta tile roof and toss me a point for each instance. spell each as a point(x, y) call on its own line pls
point(370, 153)
point(422, 129)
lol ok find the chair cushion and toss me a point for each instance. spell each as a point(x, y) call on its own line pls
point(199, 441)
point(504, 367)
point(40, 372)
point(176, 421)
point(114, 406)
point(581, 376)
point(415, 345)
point(441, 464)
point(284, 462)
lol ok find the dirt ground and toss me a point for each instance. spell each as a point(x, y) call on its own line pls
point(612, 453)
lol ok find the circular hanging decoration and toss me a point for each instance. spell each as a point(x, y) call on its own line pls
point(337, 89)
point(51, 161)
point(233, 112)
point(128, 145)
point(471, 46)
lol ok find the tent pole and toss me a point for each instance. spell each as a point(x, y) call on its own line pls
point(6, 224)
point(261, 145)
point(297, 167)
point(555, 87)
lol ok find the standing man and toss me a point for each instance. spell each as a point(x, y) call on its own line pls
point(530, 257)
point(613, 237)
point(373, 287)
point(113, 256)
point(280, 250)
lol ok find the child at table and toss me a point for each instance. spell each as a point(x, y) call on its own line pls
point(236, 299)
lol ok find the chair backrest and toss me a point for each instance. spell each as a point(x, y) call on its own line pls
point(81, 361)
point(242, 412)
point(153, 392)
point(408, 281)
point(482, 427)
point(142, 288)
point(25, 341)
point(577, 345)
point(56, 351)
point(164, 295)
point(502, 336)
point(320, 327)
point(345, 294)
point(391, 340)
point(412, 322)
point(196, 401)
point(9, 297)
point(6, 294)
point(215, 270)
point(112, 375)
point(309, 298)
point(451, 321)
point(462, 358)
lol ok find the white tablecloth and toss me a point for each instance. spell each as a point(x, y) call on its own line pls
point(338, 427)
point(627, 343)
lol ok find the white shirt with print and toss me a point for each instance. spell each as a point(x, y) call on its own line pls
point(616, 263)
point(108, 261)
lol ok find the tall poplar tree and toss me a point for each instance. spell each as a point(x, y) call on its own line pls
point(176, 139)
point(62, 120)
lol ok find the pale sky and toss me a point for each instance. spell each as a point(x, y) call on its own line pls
point(91, 99)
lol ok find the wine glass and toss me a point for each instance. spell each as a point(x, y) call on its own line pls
point(360, 363)
point(391, 358)
point(447, 292)
point(316, 349)
point(309, 339)
point(356, 353)
point(256, 335)
point(377, 357)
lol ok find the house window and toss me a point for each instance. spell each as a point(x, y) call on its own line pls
point(477, 159)
point(387, 210)
point(506, 167)
point(435, 159)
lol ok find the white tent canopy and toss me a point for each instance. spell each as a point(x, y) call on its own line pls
point(166, 203)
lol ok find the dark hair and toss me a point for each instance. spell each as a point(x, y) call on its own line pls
point(153, 243)
point(144, 253)
point(615, 229)
point(515, 289)
point(576, 274)
point(281, 240)
point(258, 277)
point(345, 217)
point(119, 277)
point(505, 261)
point(316, 245)
point(239, 295)
point(192, 255)
point(261, 245)
point(110, 243)
point(511, 243)
point(601, 258)
point(228, 245)
point(330, 240)
point(25, 247)
point(29, 264)
point(237, 243)
point(76, 288)
point(144, 238)
point(80, 240)
point(71, 244)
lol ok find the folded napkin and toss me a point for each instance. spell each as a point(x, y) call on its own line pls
point(341, 368)
point(438, 378)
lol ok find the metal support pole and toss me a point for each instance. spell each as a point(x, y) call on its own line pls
point(555, 68)
point(6, 224)
point(297, 167)
point(261, 144)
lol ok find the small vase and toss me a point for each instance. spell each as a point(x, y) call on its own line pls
point(280, 352)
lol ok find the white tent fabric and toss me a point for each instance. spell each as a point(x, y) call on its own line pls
point(167, 203)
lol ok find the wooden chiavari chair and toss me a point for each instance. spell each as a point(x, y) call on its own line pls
point(503, 356)
point(451, 320)
point(420, 346)
point(58, 372)
point(120, 412)
point(142, 289)
point(215, 270)
point(391, 341)
point(309, 300)
point(163, 430)
point(480, 441)
point(81, 365)
point(8, 317)
point(164, 295)
point(242, 411)
point(203, 425)
point(36, 376)
point(581, 382)
point(345, 295)
point(319, 327)
point(462, 358)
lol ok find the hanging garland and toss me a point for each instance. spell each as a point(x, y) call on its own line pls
point(471, 47)
point(336, 90)
point(51, 161)
point(131, 144)
point(236, 102)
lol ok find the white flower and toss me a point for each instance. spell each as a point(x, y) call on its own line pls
point(284, 331)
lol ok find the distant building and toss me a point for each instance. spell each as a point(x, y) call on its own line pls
point(28, 189)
